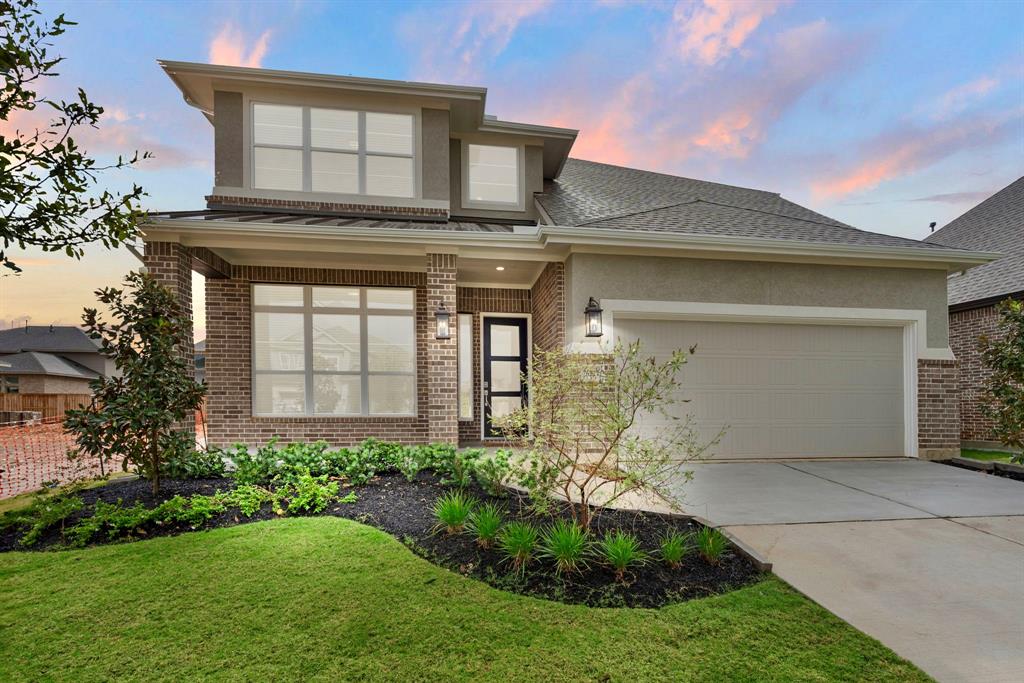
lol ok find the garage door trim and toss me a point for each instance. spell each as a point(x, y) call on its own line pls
point(912, 321)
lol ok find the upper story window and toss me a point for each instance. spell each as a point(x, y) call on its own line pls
point(8, 384)
point(310, 149)
point(493, 176)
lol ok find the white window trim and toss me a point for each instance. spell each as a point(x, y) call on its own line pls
point(519, 204)
point(308, 310)
point(307, 150)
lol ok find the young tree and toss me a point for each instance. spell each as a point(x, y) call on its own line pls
point(1003, 354)
point(136, 415)
point(47, 198)
point(578, 436)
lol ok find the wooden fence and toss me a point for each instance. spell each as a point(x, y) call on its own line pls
point(50, 405)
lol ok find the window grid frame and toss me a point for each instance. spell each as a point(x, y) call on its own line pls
point(363, 312)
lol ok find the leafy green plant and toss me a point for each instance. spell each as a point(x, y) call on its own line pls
point(485, 523)
point(673, 548)
point(518, 541)
point(452, 511)
point(254, 467)
point(249, 498)
point(1003, 355)
point(620, 550)
point(311, 494)
point(349, 498)
point(565, 543)
point(201, 509)
point(113, 518)
point(45, 513)
point(193, 464)
point(712, 544)
point(492, 471)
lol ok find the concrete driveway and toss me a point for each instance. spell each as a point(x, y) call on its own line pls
point(928, 559)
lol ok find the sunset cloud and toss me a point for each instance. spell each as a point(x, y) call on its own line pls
point(710, 31)
point(231, 48)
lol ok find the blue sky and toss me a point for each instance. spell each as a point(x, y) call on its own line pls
point(887, 115)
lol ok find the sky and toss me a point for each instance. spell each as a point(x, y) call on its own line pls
point(885, 115)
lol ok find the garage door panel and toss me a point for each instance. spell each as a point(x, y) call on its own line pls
point(785, 390)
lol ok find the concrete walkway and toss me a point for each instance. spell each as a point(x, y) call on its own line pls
point(928, 559)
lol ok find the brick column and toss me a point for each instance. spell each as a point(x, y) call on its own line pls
point(938, 405)
point(442, 356)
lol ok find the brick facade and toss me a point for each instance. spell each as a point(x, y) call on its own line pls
point(229, 369)
point(965, 330)
point(549, 308)
point(938, 418)
point(306, 206)
point(442, 354)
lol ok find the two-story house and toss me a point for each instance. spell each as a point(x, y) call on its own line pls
point(382, 257)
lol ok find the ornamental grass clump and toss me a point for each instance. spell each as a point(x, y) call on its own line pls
point(711, 543)
point(620, 551)
point(565, 543)
point(452, 511)
point(673, 548)
point(484, 524)
point(518, 542)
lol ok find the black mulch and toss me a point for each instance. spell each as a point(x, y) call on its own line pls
point(405, 510)
point(1006, 474)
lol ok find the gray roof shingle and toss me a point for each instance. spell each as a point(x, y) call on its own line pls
point(588, 193)
point(34, 363)
point(996, 224)
point(46, 339)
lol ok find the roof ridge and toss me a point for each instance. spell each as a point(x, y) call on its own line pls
point(678, 177)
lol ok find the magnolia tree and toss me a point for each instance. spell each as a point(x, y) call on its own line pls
point(1003, 354)
point(138, 414)
point(579, 439)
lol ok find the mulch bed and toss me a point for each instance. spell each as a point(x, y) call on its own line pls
point(405, 510)
point(1006, 474)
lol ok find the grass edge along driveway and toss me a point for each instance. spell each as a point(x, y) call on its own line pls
point(326, 598)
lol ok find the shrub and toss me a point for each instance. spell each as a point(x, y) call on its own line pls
point(311, 494)
point(249, 498)
point(298, 457)
point(493, 471)
point(566, 544)
point(452, 511)
point(45, 513)
point(113, 518)
point(1003, 355)
point(712, 544)
point(485, 523)
point(200, 509)
point(620, 550)
point(193, 464)
point(517, 542)
point(349, 498)
point(256, 467)
point(673, 548)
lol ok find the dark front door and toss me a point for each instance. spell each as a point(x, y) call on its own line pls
point(505, 360)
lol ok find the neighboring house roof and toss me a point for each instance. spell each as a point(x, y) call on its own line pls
point(46, 339)
point(591, 194)
point(36, 363)
point(997, 224)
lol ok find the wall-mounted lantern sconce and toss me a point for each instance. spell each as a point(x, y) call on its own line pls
point(593, 316)
point(442, 316)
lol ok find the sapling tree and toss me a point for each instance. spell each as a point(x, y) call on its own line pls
point(579, 437)
point(138, 413)
point(48, 185)
point(1003, 355)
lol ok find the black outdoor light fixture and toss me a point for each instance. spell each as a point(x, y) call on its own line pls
point(444, 330)
point(593, 314)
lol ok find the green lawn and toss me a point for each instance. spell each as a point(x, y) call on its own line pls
point(325, 598)
point(997, 456)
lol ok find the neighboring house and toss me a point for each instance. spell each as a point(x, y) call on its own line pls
point(53, 359)
point(997, 224)
point(350, 217)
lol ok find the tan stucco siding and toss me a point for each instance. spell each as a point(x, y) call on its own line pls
point(749, 282)
point(228, 139)
point(436, 134)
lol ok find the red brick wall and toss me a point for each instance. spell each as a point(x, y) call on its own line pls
point(442, 354)
point(938, 418)
point(478, 300)
point(218, 201)
point(549, 308)
point(965, 329)
point(229, 370)
point(170, 264)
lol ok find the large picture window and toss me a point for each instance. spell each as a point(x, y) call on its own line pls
point(313, 149)
point(493, 175)
point(333, 350)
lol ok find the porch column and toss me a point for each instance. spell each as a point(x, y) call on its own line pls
point(170, 264)
point(442, 354)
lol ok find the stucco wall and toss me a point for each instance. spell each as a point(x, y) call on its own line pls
point(44, 384)
point(228, 139)
point(436, 131)
point(748, 282)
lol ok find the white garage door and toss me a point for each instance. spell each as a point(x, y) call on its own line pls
point(785, 391)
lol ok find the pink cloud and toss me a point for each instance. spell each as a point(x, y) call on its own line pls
point(903, 151)
point(710, 31)
point(230, 47)
point(957, 98)
point(482, 32)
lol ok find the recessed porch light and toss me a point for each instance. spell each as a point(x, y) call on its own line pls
point(500, 268)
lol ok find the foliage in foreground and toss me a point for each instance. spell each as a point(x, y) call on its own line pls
point(452, 511)
point(136, 414)
point(621, 551)
point(712, 544)
point(577, 436)
point(1003, 355)
point(565, 543)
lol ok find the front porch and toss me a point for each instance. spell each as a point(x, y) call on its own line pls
point(265, 382)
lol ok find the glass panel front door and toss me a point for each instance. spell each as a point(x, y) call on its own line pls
point(505, 363)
